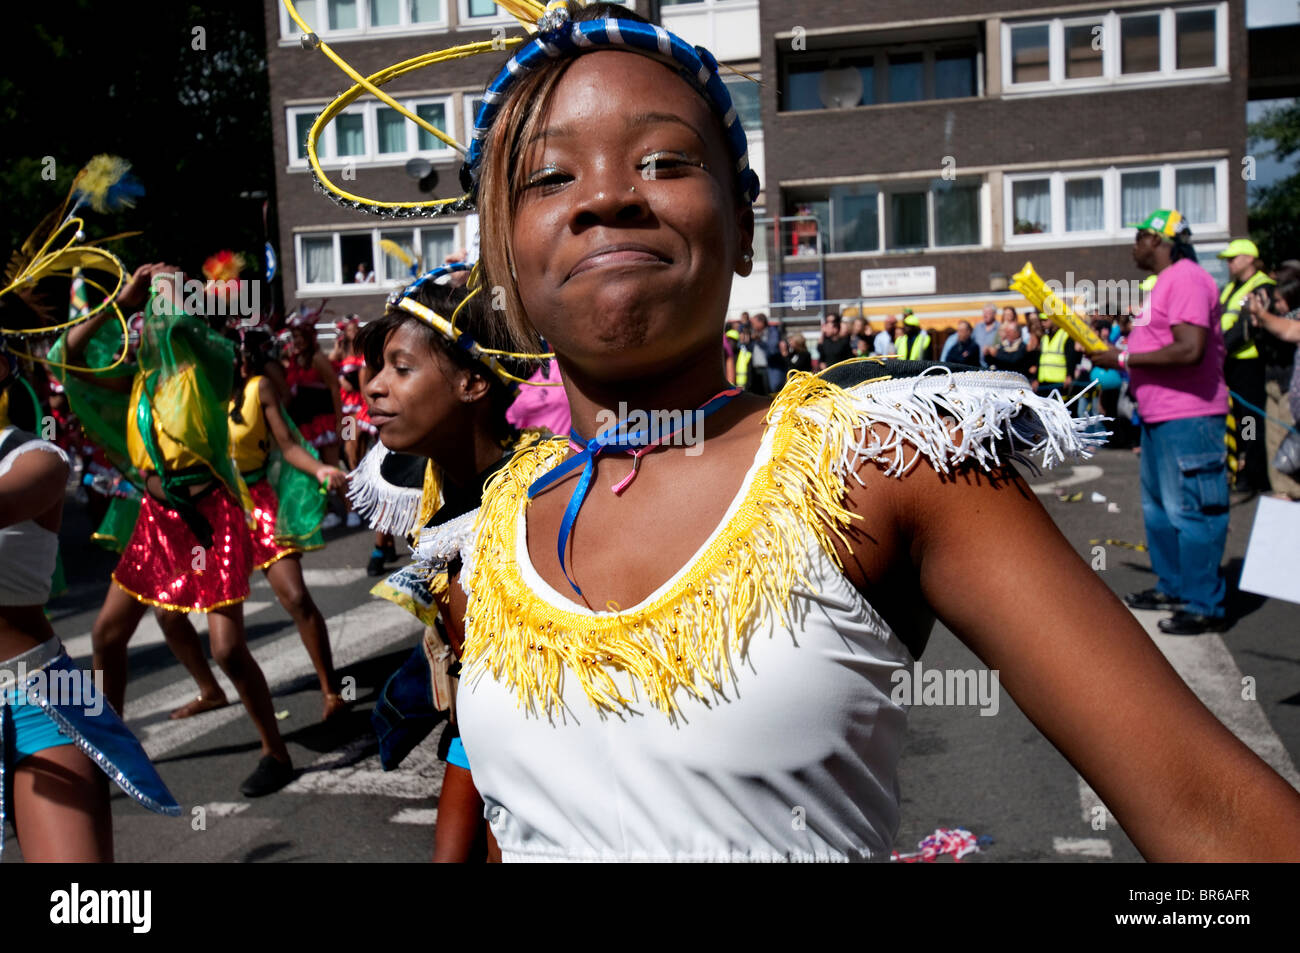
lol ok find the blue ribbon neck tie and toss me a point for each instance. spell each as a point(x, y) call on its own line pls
point(613, 440)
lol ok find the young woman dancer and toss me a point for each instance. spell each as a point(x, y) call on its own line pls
point(349, 365)
point(315, 405)
point(190, 550)
point(287, 515)
point(434, 396)
point(667, 671)
point(59, 741)
point(57, 752)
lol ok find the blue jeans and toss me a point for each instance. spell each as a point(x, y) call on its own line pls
point(1185, 506)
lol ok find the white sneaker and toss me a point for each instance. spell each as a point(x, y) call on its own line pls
point(331, 521)
point(353, 521)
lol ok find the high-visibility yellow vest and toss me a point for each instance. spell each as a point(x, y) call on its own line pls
point(1232, 299)
point(919, 349)
point(742, 367)
point(1052, 368)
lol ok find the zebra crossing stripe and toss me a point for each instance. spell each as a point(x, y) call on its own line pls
point(1210, 671)
point(226, 808)
point(425, 816)
point(355, 769)
point(1082, 846)
point(1084, 474)
point(355, 634)
point(149, 634)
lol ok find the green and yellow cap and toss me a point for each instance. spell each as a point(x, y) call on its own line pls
point(1240, 246)
point(1165, 222)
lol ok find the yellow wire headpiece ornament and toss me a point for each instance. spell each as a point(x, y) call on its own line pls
point(554, 36)
point(56, 249)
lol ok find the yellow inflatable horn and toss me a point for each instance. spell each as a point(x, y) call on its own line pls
point(1036, 292)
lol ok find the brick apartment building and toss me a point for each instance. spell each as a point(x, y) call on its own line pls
point(911, 151)
point(957, 139)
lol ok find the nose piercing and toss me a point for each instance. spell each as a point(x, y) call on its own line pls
point(633, 189)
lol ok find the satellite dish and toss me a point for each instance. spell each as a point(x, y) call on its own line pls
point(430, 181)
point(418, 168)
point(840, 88)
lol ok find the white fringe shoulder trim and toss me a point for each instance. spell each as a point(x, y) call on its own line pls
point(388, 508)
point(446, 541)
point(969, 416)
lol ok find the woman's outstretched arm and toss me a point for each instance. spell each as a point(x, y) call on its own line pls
point(294, 454)
point(1081, 668)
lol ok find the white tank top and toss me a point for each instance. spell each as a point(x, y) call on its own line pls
point(27, 551)
point(795, 759)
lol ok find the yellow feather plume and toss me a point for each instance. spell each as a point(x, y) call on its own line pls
point(104, 184)
point(397, 251)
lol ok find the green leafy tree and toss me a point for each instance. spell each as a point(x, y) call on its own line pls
point(178, 89)
point(1275, 209)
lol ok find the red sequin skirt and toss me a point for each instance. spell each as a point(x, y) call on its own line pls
point(165, 565)
point(265, 508)
point(319, 431)
point(355, 407)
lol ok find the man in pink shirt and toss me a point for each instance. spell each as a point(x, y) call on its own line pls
point(1175, 366)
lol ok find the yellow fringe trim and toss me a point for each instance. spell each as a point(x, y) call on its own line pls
point(691, 636)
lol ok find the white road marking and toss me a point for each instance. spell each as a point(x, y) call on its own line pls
point(1210, 671)
point(226, 808)
point(1082, 474)
point(356, 634)
point(318, 578)
point(1089, 800)
point(426, 816)
point(344, 771)
point(1082, 846)
point(148, 633)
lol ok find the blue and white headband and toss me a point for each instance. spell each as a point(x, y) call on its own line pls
point(694, 63)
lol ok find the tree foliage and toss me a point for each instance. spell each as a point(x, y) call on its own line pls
point(178, 89)
point(1275, 209)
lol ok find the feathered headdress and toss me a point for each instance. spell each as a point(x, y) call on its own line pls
point(225, 265)
point(57, 248)
point(304, 318)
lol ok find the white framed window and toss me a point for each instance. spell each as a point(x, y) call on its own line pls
point(868, 75)
point(1091, 204)
point(472, 14)
point(470, 104)
point(372, 133)
point(867, 218)
point(332, 261)
point(344, 19)
point(1084, 203)
point(1107, 48)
